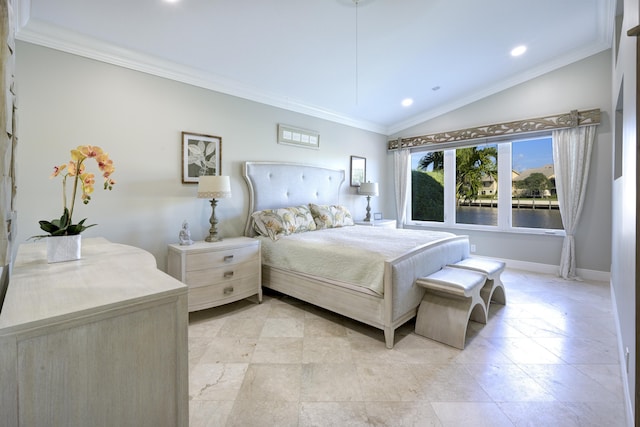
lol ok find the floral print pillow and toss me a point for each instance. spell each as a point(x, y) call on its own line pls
point(331, 216)
point(274, 223)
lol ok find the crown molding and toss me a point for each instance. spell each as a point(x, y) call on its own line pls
point(46, 35)
point(42, 34)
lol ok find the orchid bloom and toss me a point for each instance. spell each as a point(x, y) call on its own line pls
point(76, 168)
point(106, 166)
point(90, 151)
point(73, 169)
point(57, 170)
point(104, 162)
point(88, 180)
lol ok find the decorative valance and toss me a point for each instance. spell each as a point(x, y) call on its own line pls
point(559, 121)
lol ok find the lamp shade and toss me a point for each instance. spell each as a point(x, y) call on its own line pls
point(368, 189)
point(214, 187)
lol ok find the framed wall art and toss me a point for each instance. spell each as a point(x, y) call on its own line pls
point(201, 155)
point(358, 170)
point(290, 135)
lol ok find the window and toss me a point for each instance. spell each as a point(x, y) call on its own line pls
point(507, 185)
point(477, 185)
point(427, 186)
point(534, 199)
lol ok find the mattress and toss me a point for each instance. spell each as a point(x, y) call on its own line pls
point(354, 256)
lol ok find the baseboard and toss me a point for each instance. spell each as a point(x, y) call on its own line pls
point(628, 404)
point(534, 267)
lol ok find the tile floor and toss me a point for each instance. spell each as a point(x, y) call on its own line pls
point(547, 358)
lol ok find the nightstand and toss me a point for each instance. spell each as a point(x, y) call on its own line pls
point(384, 223)
point(219, 272)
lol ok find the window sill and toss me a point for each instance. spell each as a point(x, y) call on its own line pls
point(488, 228)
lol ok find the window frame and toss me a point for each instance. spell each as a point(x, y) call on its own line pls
point(505, 165)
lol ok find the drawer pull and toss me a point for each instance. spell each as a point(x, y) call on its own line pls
point(228, 274)
point(228, 258)
point(228, 290)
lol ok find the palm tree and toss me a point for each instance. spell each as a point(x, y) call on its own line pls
point(472, 164)
point(435, 158)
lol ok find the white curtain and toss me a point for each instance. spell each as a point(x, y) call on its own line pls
point(401, 160)
point(571, 158)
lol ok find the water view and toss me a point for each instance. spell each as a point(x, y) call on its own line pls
point(524, 217)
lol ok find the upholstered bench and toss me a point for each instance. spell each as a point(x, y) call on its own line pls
point(452, 298)
point(493, 289)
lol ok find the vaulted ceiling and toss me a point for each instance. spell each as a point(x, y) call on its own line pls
point(349, 61)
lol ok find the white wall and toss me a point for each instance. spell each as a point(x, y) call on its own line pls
point(624, 194)
point(66, 101)
point(582, 85)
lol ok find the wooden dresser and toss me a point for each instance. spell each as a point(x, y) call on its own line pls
point(218, 272)
point(101, 341)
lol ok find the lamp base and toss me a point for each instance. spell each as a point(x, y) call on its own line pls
point(213, 231)
point(367, 218)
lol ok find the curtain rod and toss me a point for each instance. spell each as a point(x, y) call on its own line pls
point(559, 121)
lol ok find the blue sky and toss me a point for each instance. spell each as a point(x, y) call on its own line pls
point(531, 154)
point(527, 154)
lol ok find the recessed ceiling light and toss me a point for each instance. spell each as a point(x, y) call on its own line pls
point(407, 102)
point(171, 1)
point(519, 50)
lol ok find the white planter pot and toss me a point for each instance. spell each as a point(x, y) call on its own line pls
point(63, 248)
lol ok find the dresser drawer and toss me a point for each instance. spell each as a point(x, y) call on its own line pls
point(226, 273)
point(206, 260)
point(217, 294)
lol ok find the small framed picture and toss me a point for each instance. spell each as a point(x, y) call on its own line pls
point(201, 155)
point(358, 170)
point(377, 216)
point(305, 138)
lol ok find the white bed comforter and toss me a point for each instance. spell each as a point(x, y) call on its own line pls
point(353, 255)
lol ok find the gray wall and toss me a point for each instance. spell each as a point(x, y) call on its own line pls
point(582, 85)
point(66, 101)
point(624, 193)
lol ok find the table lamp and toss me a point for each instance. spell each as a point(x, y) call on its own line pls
point(368, 189)
point(213, 187)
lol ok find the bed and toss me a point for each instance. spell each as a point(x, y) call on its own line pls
point(387, 305)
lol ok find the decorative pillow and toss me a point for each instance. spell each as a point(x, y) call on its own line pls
point(331, 216)
point(274, 223)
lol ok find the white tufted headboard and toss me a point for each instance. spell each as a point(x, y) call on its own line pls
point(279, 185)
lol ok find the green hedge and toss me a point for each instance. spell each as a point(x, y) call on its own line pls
point(427, 194)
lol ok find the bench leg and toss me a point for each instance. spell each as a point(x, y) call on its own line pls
point(498, 295)
point(493, 291)
point(445, 319)
point(479, 314)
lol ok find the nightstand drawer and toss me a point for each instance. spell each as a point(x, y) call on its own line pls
point(231, 290)
point(207, 260)
point(227, 273)
point(217, 272)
